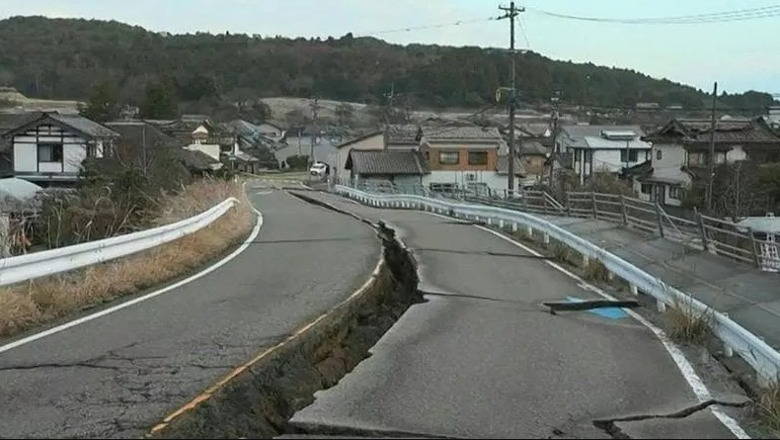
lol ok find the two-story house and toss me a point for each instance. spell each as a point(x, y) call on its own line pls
point(466, 157)
point(48, 149)
point(603, 148)
point(681, 153)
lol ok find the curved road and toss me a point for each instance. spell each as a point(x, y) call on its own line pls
point(117, 375)
point(481, 358)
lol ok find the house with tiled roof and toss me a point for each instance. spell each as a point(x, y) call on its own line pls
point(48, 147)
point(680, 153)
point(467, 157)
point(603, 148)
point(374, 140)
point(404, 168)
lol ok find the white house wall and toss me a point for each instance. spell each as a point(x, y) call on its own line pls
point(672, 156)
point(212, 150)
point(25, 158)
point(25, 148)
point(72, 154)
point(492, 179)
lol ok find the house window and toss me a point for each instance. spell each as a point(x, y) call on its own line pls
point(91, 149)
point(478, 158)
point(629, 156)
point(449, 157)
point(659, 155)
point(697, 159)
point(49, 153)
point(675, 192)
point(646, 188)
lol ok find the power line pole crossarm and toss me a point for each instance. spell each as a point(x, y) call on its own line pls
point(511, 13)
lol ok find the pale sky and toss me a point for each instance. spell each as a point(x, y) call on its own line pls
point(739, 55)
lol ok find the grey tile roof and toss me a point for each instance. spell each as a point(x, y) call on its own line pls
point(727, 131)
point(502, 167)
point(9, 121)
point(84, 125)
point(373, 162)
point(402, 134)
point(195, 159)
point(472, 134)
point(581, 131)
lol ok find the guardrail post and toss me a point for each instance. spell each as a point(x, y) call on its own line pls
point(546, 239)
point(659, 218)
point(634, 290)
point(514, 227)
point(756, 251)
point(595, 209)
point(623, 210)
point(501, 223)
point(585, 261)
point(661, 306)
point(530, 231)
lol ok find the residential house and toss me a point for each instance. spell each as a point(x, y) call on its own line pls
point(465, 157)
point(534, 144)
point(49, 148)
point(404, 168)
point(603, 148)
point(681, 149)
point(533, 155)
point(371, 141)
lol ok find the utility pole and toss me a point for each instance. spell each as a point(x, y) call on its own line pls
point(711, 155)
point(390, 103)
point(554, 152)
point(511, 13)
point(315, 108)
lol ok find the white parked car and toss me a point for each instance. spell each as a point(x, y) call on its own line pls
point(319, 169)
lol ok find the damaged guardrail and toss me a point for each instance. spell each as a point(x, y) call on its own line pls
point(758, 354)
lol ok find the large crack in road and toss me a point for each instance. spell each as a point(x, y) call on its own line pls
point(610, 425)
point(259, 401)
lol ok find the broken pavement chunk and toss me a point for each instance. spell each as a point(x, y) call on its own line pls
point(566, 306)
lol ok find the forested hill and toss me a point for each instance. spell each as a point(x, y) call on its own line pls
point(65, 58)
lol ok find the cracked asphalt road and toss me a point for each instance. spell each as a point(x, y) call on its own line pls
point(482, 358)
point(115, 376)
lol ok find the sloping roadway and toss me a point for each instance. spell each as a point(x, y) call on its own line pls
point(115, 376)
point(483, 359)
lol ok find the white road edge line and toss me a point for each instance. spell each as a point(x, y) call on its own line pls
point(686, 369)
point(118, 307)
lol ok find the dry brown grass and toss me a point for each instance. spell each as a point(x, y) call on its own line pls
point(27, 305)
point(769, 407)
point(688, 325)
point(596, 271)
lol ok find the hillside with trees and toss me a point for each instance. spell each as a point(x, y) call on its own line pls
point(76, 59)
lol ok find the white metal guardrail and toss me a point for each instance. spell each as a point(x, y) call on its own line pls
point(45, 263)
point(763, 358)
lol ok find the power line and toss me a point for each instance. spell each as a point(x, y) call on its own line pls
point(433, 26)
point(522, 30)
point(719, 17)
